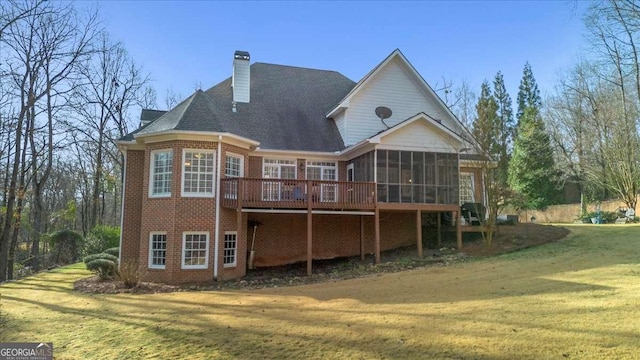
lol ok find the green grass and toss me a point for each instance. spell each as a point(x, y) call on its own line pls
point(578, 298)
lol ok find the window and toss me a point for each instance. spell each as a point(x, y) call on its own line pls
point(195, 250)
point(326, 171)
point(198, 173)
point(230, 247)
point(279, 168)
point(234, 165)
point(276, 169)
point(157, 250)
point(160, 173)
point(466, 188)
point(234, 168)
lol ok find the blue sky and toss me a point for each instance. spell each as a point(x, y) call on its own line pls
point(186, 43)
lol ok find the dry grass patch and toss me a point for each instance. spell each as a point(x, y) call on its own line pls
point(577, 298)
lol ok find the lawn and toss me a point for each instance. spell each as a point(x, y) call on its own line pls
point(578, 298)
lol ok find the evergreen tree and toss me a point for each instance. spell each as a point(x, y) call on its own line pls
point(505, 122)
point(528, 93)
point(532, 167)
point(486, 129)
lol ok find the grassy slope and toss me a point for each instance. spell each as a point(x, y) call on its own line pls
point(578, 298)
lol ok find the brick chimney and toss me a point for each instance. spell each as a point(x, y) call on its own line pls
point(240, 81)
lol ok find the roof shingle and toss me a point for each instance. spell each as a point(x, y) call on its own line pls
point(286, 112)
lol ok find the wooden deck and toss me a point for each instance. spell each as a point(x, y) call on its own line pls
point(297, 194)
point(314, 196)
point(276, 194)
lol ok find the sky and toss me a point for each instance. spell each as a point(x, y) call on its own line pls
point(185, 45)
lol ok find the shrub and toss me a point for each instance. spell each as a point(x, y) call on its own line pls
point(105, 269)
point(66, 246)
point(608, 217)
point(113, 251)
point(101, 238)
point(89, 258)
point(128, 273)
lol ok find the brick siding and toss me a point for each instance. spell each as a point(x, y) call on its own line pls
point(281, 238)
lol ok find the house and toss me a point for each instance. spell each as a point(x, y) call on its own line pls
point(291, 164)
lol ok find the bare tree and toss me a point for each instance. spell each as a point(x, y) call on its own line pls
point(614, 26)
point(171, 98)
point(464, 104)
point(44, 46)
point(111, 85)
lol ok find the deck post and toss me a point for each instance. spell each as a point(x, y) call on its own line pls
point(456, 217)
point(309, 230)
point(439, 229)
point(239, 227)
point(376, 220)
point(361, 237)
point(419, 232)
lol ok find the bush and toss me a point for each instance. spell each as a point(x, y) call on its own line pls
point(89, 258)
point(128, 273)
point(105, 269)
point(113, 251)
point(101, 238)
point(608, 217)
point(66, 246)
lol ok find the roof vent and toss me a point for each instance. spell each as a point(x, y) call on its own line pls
point(240, 80)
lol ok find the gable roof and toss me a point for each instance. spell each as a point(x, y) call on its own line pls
point(286, 112)
point(344, 102)
point(420, 116)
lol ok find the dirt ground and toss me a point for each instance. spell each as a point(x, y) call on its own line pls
point(508, 238)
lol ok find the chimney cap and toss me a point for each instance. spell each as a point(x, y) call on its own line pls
point(241, 55)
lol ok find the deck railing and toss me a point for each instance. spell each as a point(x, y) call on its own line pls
point(296, 194)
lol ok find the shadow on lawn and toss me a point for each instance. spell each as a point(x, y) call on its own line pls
point(194, 323)
point(195, 320)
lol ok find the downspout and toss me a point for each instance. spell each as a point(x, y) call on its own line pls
point(375, 166)
point(216, 235)
point(458, 154)
point(124, 184)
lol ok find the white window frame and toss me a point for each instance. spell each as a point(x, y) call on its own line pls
point(152, 174)
point(472, 179)
point(184, 250)
point(231, 188)
point(322, 165)
point(272, 191)
point(328, 192)
point(237, 156)
point(279, 163)
point(151, 250)
point(207, 194)
point(234, 250)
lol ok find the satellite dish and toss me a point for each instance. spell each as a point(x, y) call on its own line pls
point(383, 112)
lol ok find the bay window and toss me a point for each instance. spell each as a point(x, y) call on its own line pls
point(198, 173)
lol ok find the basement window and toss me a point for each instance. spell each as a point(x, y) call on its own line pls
point(230, 248)
point(157, 250)
point(195, 250)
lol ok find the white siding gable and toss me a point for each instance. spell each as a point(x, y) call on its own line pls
point(341, 124)
point(420, 136)
point(395, 87)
